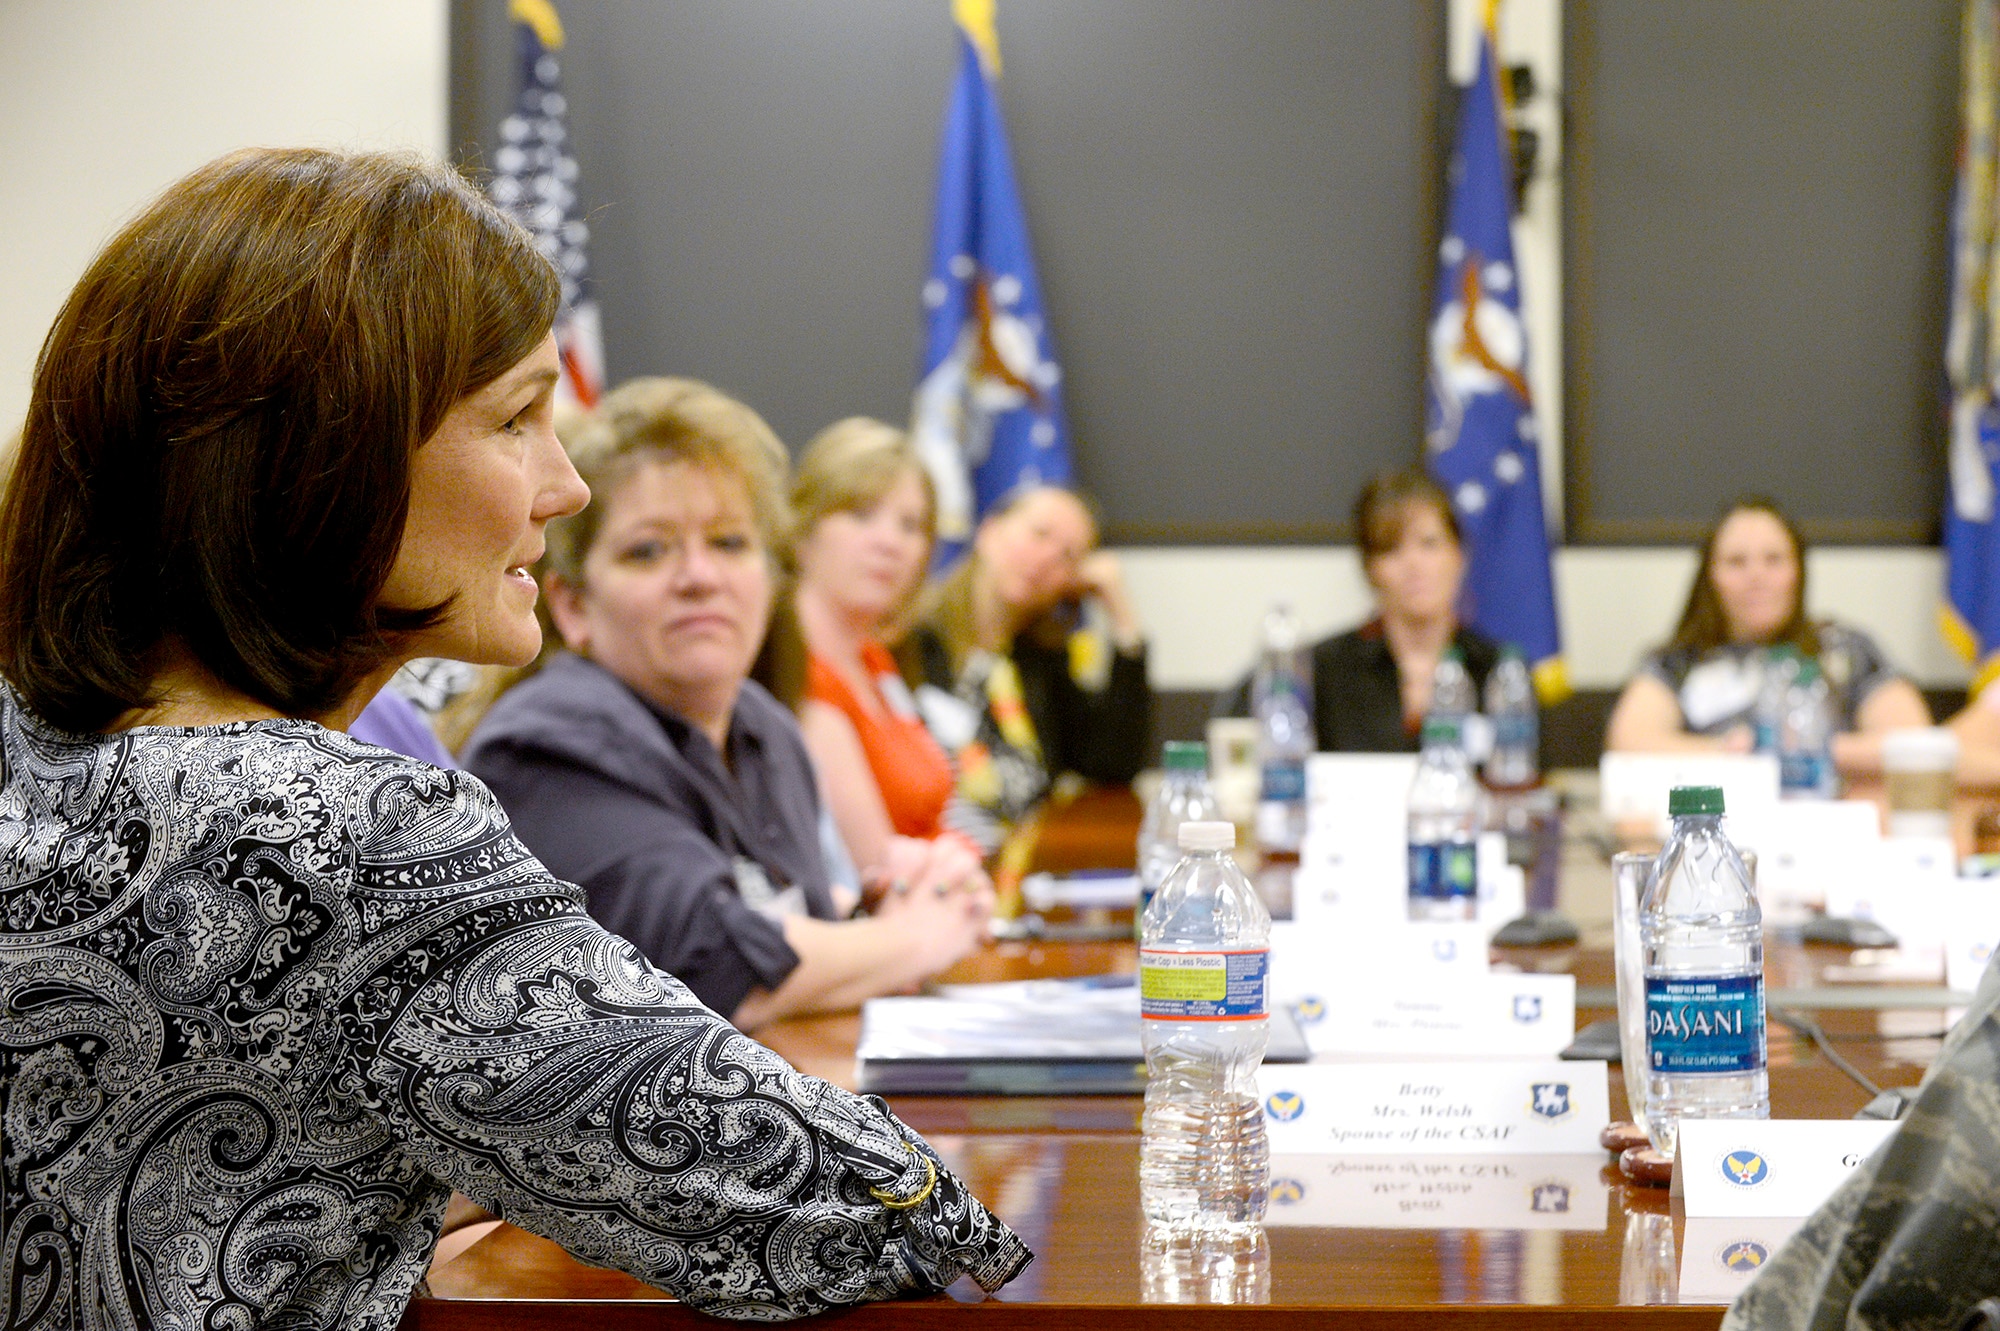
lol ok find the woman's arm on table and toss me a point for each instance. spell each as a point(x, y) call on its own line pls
point(1648, 719)
point(1893, 705)
point(912, 936)
point(847, 783)
point(517, 1052)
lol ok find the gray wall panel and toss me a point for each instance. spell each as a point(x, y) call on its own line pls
point(1757, 262)
point(1233, 207)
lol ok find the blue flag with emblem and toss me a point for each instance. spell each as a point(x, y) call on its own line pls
point(1479, 415)
point(988, 412)
point(1972, 357)
point(534, 182)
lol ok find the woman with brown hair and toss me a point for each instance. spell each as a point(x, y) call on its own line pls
point(268, 994)
point(1697, 693)
point(1372, 684)
point(645, 765)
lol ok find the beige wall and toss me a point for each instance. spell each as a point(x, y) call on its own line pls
point(1204, 606)
point(107, 101)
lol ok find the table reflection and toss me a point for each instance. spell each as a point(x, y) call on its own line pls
point(1226, 1266)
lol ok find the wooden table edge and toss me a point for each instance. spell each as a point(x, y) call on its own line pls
point(996, 1315)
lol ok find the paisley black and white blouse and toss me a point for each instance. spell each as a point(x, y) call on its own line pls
point(268, 994)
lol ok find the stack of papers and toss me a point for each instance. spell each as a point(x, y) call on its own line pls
point(1029, 1037)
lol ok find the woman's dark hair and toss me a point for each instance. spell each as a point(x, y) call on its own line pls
point(1381, 510)
point(217, 451)
point(1703, 626)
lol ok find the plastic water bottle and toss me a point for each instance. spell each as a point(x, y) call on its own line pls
point(1204, 952)
point(1184, 796)
point(1805, 736)
point(1446, 807)
point(1702, 942)
point(1453, 698)
point(1281, 700)
point(1515, 761)
point(1767, 714)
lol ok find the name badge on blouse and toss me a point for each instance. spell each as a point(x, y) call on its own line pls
point(762, 895)
point(897, 695)
point(952, 720)
point(1716, 690)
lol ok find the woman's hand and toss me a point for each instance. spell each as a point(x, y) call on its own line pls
point(942, 907)
point(1100, 575)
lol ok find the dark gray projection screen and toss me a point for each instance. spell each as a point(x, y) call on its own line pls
point(1233, 206)
point(1757, 262)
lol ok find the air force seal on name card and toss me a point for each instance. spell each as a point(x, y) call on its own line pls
point(1287, 1192)
point(1551, 1099)
point(1309, 1011)
point(1527, 1008)
point(1284, 1106)
point(1549, 1199)
point(1747, 1255)
point(1746, 1169)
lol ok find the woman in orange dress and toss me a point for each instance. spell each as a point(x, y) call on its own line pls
point(865, 522)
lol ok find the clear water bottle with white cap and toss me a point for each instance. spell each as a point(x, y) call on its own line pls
point(1702, 940)
point(1204, 952)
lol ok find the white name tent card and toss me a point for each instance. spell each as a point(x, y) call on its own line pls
point(1737, 1167)
point(1633, 787)
point(1419, 1015)
point(1519, 1108)
point(1902, 887)
point(1719, 1256)
point(1307, 960)
point(1973, 907)
point(1354, 869)
point(1805, 847)
point(1439, 1192)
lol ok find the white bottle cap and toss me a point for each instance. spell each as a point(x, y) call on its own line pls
point(1208, 836)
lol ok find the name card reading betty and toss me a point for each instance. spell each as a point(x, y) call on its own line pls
point(1770, 1167)
point(1427, 1014)
point(1439, 1192)
point(1525, 1108)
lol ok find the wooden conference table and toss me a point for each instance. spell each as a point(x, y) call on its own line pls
point(1064, 1173)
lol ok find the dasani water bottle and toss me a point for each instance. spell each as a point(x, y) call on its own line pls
point(1446, 809)
point(1703, 948)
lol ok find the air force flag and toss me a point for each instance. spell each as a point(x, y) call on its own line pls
point(1480, 422)
point(988, 416)
point(1972, 357)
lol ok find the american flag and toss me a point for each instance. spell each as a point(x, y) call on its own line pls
point(535, 183)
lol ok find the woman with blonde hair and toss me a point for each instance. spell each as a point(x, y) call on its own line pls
point(644, 763)
point(866, 517)
point(993, 657)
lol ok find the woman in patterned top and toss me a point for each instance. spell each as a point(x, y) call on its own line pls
point(268, 994)
point(1697, 693)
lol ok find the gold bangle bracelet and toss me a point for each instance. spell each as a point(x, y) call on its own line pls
point(893, 1203)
